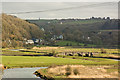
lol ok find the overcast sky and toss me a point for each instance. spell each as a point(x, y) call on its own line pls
point(61, 9)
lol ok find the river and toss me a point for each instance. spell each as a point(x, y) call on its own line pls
point(21, 72)
point(116, 59)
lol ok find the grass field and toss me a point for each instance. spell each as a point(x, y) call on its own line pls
point(29, 61)
point(71, 43)
point(15, 58)
point(67, 43)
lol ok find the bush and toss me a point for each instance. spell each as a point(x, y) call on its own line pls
point(68, 68)
point(50, 54)
point(75, 71)
point(53, 65)
point(103, 51)
point(73, 58)
point(68, 71)
point(63, 56)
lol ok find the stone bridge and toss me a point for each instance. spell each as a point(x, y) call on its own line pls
point(87, 54)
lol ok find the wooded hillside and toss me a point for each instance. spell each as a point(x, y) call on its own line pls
point(98, 31)
point(15, 30)
point(94, 31)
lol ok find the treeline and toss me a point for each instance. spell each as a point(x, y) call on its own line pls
point(15, 30)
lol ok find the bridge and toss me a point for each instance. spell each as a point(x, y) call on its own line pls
point(87, 54)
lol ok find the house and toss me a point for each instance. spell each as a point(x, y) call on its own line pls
point(42, 29)
point(36, 41)
point(55, 37)
point(41, 40)
point(61, 22)
point(60, 37)
point(88, 38)
point(48, 22)
point(29, 42)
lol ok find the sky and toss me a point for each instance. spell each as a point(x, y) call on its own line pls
point(60, 0)
point(59, 10)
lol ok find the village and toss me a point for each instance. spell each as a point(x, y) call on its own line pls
point(41, 41)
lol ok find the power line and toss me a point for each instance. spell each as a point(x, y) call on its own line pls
point(85, 6)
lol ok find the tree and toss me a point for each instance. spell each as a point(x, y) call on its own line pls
point(108, 18)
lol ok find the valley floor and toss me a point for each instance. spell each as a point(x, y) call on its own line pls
point(93, 66)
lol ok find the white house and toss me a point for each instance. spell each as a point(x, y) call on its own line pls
point(29, 42)
point(42, 29)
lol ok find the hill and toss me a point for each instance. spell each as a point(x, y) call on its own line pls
point(73, 32)
point(15, 30)
point(97, 31)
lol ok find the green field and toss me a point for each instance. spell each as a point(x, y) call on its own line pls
point(67, 43)
point(30, 61)
point(71, 43)
point(16, 59)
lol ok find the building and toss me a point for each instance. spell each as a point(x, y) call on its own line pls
point(61, 22)
point(36, 41)
point(60, 37)
point(42, 29)
point(29, 42)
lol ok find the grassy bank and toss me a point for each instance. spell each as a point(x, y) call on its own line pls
point(31, 61)
point(78, 71)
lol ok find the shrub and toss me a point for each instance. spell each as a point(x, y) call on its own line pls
point(73, 58)
point(75, 71)
point(103, 51)
point(68, 71)
point(53, 65)
point(63, 56)
point(50, 54)
point(68, 68)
